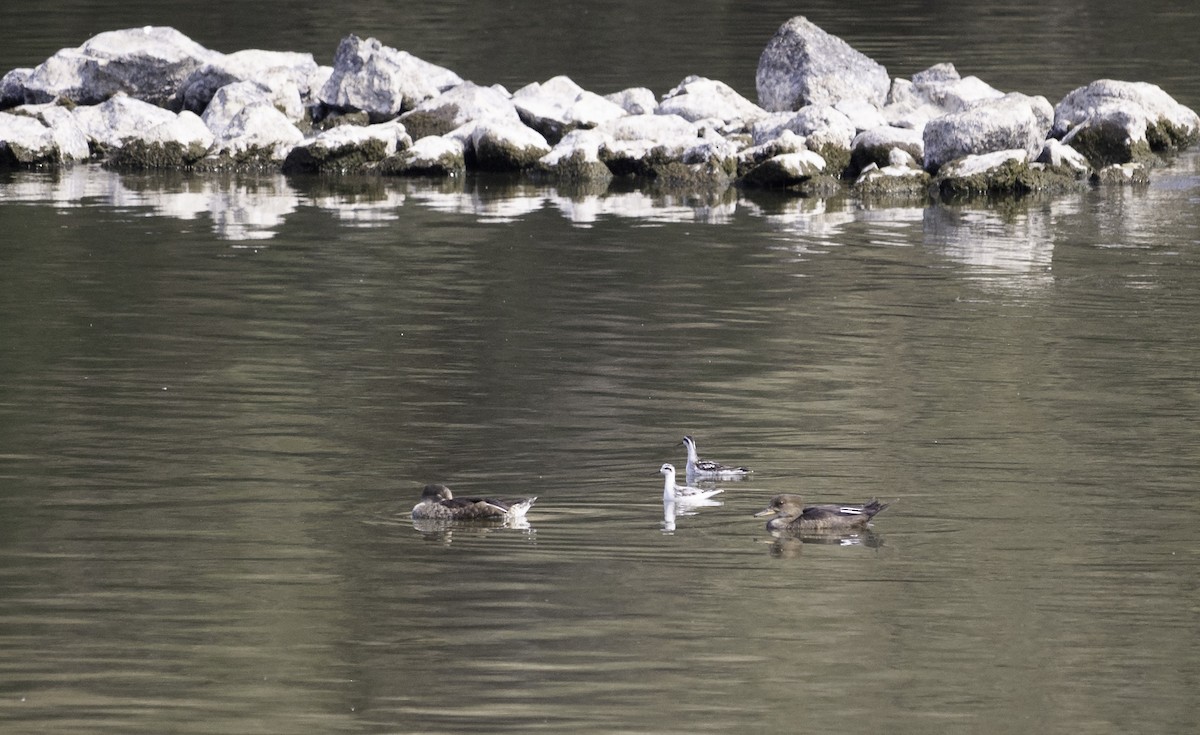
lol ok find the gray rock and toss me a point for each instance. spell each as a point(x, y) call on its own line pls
point(380, 80)
point(826, 132)
point(559, 105)
point(1002, 172)
point(1122, 174)
point(877, 146)
point(803, 65)
point(785, 170)
point(118, 120)
point(785, 142)
point(428, 156)
point(896, 179)
point(576, 158)
point(256, 135)
point(1118, 122)
point(456, 107)
point(506, 146)
point(1010, 122)
point(144, 63)
point(347, 148)
point(937, 91)
point(231, 99)
point(289, 76)
point(635, 100)
point(697, 98)
point(636, 143)
point(47, 136)
point(12, 88)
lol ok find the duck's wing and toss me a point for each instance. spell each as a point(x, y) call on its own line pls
point(826, 513)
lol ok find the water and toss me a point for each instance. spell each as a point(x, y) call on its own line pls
point(220, 397)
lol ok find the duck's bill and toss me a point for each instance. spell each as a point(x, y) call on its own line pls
point(765, 512)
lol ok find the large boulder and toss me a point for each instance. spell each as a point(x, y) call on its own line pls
point(144, 63)
point(826, 131)
point(635, 100)
point(380, 80)
point(803, 65)
point(1114, 122)
point(785, 171)
point(1014, 121)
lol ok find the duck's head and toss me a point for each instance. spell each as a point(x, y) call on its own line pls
point(436, 493)
point(690, 443)
point(782, 505)
point(667, 469)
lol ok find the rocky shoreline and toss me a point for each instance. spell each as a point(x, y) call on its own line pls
point(827, 118)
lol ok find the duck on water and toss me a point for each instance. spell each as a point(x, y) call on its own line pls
point(791, 514)
point(439, 504)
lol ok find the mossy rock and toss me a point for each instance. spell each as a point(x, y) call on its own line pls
point(1009, 178)
point(354, 158)
point(137, 155)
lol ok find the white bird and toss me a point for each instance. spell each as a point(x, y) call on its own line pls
point(684, 495)
point(707, 468)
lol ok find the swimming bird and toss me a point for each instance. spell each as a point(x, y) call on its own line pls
point(707, 468)
point(682, 494)
point(439, 504)
point(792, 515)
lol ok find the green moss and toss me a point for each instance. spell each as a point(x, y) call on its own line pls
point(1010, 178)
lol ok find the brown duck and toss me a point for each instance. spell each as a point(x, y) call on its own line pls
point(792, 515)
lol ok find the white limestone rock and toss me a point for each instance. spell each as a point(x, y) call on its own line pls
point(506, 146)
point(231, 99)
point(145, 63)
point(1060, 155)
point(803, 65)
point(635, 100)
point(1112, 121)
point(255, 135)
point(347, 148)
point(1001, 124)
point(877, 146)
point(559, 105)
point(459, 106)
point(432, 155)
point(380, 80)
point(291, 78)
point(785, 170)
point(698, 98)
point(48, 137)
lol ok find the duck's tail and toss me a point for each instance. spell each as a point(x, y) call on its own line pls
point(518, 510)
point(875, 507)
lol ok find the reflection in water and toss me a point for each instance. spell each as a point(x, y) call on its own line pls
point(444, 531)
point(788, 545)
point(673, 509)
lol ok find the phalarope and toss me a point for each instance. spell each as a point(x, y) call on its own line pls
point(682, 494)
point(792, 515)
point(707, 468)
point(439, 504)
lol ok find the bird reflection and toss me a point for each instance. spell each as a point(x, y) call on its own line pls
point(787, 545)
point(672, 509)
point(444, 531)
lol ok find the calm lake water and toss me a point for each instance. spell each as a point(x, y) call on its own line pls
point(220, 397)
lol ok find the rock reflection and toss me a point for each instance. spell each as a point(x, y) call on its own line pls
point(786, 545)
point(1014, 248)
